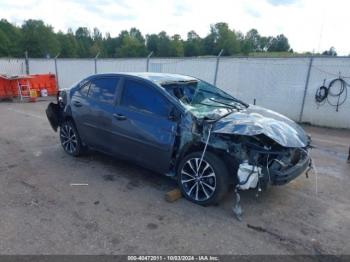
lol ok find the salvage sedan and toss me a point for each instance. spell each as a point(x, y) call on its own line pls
point(183, 127)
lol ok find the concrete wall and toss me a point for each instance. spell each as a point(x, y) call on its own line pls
point(275, 83)
point(12, 66)
point(326, 115)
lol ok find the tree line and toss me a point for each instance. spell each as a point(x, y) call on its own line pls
point(40, 40)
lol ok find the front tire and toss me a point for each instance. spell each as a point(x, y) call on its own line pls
point(203, 183)
point(70, 139)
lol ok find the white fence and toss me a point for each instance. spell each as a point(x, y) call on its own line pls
point(276, 83)
point(12, 66)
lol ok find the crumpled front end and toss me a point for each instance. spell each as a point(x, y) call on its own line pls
point(54, 111)
point(266, 145)
point(278, 165)
point(285, 168)
point(264, 160)
point(53, 115)
point(258, 120)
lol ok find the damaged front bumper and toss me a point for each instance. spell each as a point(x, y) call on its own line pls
point(53, 115)
point(283, 167)
point(283, 176)
point(272, 167)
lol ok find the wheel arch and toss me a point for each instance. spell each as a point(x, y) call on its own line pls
point(67, 114)
point(199, 147)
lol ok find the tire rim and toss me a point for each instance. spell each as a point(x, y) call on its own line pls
point(198, 179)
point(69, 139)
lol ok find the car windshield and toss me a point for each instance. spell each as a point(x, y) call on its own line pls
point(203, 99)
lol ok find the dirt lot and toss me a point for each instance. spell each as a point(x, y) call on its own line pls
point(123, 211)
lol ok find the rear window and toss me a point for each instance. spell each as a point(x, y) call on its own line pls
point(144, 97)
point(103, 89)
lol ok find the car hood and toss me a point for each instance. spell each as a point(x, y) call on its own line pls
point(257, 120)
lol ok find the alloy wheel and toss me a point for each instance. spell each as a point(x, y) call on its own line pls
point(69, 139)
point(198, 179)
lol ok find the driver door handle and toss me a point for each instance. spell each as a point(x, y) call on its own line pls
point(119, 117)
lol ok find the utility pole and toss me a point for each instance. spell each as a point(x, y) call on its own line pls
point(26, 62)
point(217, 66)
point(56, 69)
point(95, 59)
point(147, 61)
point(305, 89)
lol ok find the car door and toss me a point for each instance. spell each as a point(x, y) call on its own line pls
point(97, 122)
point(141, 125)
point(80, 108)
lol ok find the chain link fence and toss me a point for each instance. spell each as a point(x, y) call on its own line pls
point(286, 85)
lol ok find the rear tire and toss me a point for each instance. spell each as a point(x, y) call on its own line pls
point(206, 183)
point(70, 139)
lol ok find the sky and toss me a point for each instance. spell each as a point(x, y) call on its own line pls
point(310, 25)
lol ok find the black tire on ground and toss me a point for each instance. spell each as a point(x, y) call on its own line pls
point(70, 139)
point(211, 180)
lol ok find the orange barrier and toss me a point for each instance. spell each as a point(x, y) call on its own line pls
point(3, 84)
point(40, 84)
point(5, 87)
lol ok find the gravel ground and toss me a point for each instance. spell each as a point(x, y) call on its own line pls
point(122, 209)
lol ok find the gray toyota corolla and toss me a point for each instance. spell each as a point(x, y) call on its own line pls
point(183, 127)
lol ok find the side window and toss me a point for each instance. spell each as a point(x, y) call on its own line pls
point(103, 89)
point(84, 90)
point(144, 98)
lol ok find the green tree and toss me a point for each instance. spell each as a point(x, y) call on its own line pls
point(192, 47)
point(152, 43)
point(225, 39)
point(278, 44)
point(176, 46)
point(136, 34)
point(265, 42)
point(97, 45)
point(11, 38)
point(132, 44)
point(69, 45)
point(109, 46)
point(251, 42)
point(39, 39)
point(209, 45)
point(123, 34)
point(97, 35)
point(163, 44)
point(84, 41)
point(330, 52)
point(4, 44)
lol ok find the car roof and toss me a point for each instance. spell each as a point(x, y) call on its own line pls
point(157, 78)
